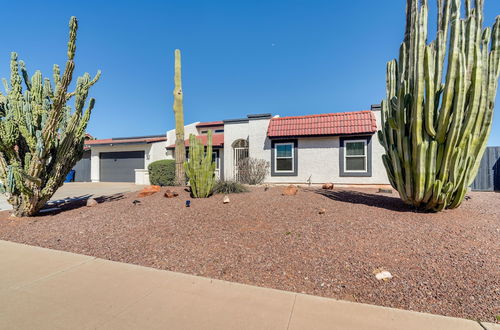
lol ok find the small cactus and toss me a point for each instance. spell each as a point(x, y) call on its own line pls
point(200, 168)
point(41, 139)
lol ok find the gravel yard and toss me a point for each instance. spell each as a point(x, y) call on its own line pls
point(445, 263)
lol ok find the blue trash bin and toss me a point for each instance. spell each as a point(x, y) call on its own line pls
point(70, 177)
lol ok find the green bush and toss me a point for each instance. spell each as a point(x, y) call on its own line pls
point(229, 187)
point(162, 172)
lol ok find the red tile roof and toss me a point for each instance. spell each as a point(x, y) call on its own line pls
point(127, 140)
point(325, 124)
point(210, 123)
point(217, 140)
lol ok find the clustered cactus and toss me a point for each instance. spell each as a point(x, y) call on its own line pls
point(41, 139)
point(200, 168)
point(435, 133)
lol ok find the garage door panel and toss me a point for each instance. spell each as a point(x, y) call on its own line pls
point(120, 166)
point(82, 168)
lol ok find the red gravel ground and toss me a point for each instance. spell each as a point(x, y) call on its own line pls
point(445, 263)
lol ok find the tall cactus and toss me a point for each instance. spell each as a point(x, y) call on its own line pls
point(434, 132)
point(41, 139)
point(180, 149)
point(200, 168)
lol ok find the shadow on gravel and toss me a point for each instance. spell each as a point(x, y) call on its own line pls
point(67, 204)
point(376, 200)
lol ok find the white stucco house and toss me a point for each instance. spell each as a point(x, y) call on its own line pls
point(337, 147)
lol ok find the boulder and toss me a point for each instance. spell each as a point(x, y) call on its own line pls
point(327, 185)
point(149, 190)
point(91, 202)
point(226, 200)
point(170, 194)
point(291, 190)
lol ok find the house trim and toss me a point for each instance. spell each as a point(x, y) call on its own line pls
point(295, 158)
point(342, 171)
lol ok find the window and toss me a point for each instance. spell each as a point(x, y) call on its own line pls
point(215, 158)
point(219, 131)
point(204, 132)
point(355, 156)
point(284, 157)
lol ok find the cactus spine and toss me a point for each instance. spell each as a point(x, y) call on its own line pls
point(41, 139)
point(180, 149)
point(435, 133)
point(200, 168)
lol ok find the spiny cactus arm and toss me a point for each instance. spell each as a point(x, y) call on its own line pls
point(54, 116)
point(87, 86)
point(25, 75)
point(451, 75)
point(82, 126)
point(56, 74)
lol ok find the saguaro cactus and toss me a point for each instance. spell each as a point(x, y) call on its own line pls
point(180, 149)
point(435, 132)
point(200, 168)
point(41, 138)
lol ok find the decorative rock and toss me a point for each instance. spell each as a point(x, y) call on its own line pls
point(327, 185)
point(170, 194)
point(385, 191)
point(322, 211)
point(226, 200)
point(383, 275)
point(149, 190)
point(91, 202)
point(291, 190)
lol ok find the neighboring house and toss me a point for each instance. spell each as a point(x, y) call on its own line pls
point(120, 159)
point(201, 130)
point(339, 147)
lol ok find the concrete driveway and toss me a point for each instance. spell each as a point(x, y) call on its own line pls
point(88, 189)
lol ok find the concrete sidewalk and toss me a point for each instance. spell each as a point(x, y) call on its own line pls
point(48, 289)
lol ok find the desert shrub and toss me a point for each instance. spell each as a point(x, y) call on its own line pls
point(229, 187)
point(162, 172)
point(252, 170)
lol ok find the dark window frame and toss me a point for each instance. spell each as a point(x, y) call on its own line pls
point(368, 172)
point(295, 158)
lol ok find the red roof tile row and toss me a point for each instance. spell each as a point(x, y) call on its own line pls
point(217, 140)
point(325, 124)
point(131, 140)
point(210, 123)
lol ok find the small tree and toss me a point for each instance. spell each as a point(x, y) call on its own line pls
point(41, 139)
point(252, 170)
point(200, 168)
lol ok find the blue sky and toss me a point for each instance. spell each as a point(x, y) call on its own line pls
point(239, 57)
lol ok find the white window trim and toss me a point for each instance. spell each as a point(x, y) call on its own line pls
point(216, 159)
point(276, 157)
point(365, 144)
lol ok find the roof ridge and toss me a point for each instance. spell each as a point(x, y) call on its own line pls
point(322, 115)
